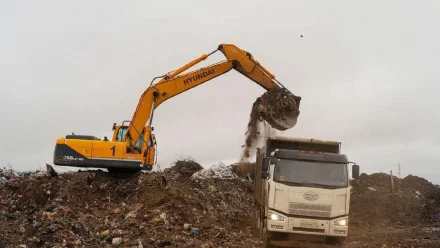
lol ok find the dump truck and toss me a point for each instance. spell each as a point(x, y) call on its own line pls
point(302, 191)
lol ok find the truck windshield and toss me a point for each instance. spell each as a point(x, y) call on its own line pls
point(311, 173)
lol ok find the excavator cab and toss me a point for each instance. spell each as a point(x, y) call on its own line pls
point(120, 131)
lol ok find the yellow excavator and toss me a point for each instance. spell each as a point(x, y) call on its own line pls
point(133, 146)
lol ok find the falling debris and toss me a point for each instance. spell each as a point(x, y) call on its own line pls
point(244, 169)
point(277, 107)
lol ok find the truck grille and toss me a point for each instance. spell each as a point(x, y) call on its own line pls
point(310, 209)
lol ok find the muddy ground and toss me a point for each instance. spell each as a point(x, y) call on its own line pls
point(170, 209)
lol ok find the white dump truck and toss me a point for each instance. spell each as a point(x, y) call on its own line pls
point(302, 191)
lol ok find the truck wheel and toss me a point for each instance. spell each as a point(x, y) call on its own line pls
point(267, 243)
point(337, 241)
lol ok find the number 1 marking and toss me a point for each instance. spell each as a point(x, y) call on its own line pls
point(113, 150)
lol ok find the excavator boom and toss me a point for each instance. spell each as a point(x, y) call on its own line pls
point(172, 84)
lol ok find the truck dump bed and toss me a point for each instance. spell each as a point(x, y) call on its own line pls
point(280, 142)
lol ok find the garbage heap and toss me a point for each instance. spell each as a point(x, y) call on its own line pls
point(379, 201)
point(8, 175)
point(186, 206)
point(160, 209)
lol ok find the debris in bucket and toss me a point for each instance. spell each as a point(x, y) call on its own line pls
point(274, 106)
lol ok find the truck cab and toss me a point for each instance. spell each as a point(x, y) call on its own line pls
point(302, 191)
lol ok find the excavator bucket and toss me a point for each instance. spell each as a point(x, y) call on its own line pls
point(279, 108)
point(289, 116)
point(287, 121)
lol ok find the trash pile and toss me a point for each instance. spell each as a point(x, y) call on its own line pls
point(163, 209)
point(186, 167)
point(220, 170)
point(409, 217)
point(183, 207)
point(415, 201)
point(8, 175)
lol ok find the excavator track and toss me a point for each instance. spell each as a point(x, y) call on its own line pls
point(111, 175)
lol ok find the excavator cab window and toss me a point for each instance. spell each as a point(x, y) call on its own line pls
point(121, 133)
point(139, 143)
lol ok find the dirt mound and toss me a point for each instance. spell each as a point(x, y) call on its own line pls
point(274, 104)
point(186, 167)
point(413, 202)
point(155, 210)
point(170, 210)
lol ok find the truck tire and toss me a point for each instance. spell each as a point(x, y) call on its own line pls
point(336, 241)
point(267, 243)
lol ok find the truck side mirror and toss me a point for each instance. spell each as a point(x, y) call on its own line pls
point(265, 166)
point(355, 171)
point(354, 182)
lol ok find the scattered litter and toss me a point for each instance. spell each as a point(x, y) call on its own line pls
point(220, 170)
point(49, 208)
point(194, 231)
point(212, 212)
point(372, 189)
point(105, 233)
point(116, 241)
point(186, 226)
point(8, 175)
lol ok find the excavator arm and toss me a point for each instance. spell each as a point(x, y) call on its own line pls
point(175, 83)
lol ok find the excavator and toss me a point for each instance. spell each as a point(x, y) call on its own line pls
point(133, 145)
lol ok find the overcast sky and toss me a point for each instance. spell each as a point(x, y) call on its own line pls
point(367, 71)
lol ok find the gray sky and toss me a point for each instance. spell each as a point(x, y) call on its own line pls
point(367, 72)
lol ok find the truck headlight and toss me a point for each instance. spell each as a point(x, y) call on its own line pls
point(342, 222)
point(276, 217)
